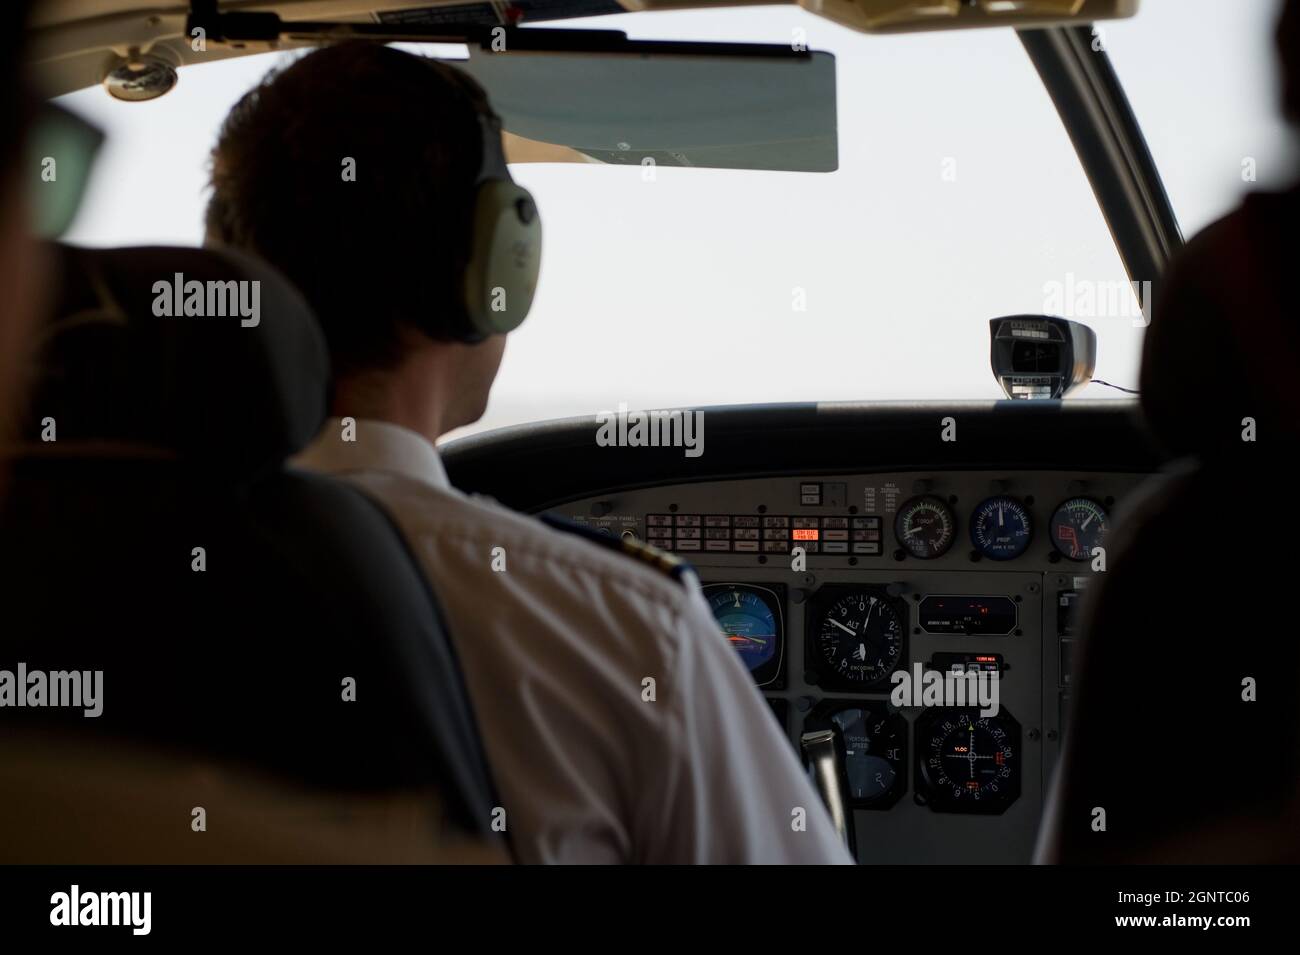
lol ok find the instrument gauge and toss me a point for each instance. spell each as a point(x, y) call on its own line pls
point(1078, 526)
point(1001, 528)
point(967, 762)
point(750, 618)
point(871, 741)
point(857, 636)
point(925, 527)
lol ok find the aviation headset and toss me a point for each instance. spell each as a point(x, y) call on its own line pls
point(505, 248)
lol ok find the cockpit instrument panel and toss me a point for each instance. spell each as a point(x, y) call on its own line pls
point(829, 587)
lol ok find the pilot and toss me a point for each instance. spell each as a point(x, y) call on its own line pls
point(619, 724)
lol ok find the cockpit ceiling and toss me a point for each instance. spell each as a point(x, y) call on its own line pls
point(76, 40)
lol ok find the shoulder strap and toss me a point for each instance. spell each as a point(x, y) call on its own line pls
point(668, 564)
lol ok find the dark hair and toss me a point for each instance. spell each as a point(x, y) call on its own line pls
point(374, 256)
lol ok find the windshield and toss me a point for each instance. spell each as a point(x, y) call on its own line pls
point(1202, 78)
point(958, 198)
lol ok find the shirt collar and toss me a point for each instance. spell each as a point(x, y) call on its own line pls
point(378, 446)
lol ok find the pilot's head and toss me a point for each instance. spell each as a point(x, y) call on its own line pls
point(353, 171)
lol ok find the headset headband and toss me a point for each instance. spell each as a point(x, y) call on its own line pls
point(492, 166)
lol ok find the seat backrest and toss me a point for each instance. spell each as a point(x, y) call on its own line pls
point(237, 609)
point(1189, 761)
point(122, 803)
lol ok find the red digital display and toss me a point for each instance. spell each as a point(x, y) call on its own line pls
point(804, 533)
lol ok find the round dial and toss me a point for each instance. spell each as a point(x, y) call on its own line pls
point(968, 762)
point(750, 617)
point(860, 637)
point(925, 527)
point(1001, 528)
point(875, 747)
point(1078, 526)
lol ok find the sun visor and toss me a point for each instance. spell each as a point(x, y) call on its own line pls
point(734, 108)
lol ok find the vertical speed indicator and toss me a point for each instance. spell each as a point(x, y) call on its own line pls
point(872, 749)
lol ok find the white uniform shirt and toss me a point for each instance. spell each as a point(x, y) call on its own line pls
point(555, 649)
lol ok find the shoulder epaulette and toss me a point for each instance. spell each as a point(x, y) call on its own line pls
point(668, 564)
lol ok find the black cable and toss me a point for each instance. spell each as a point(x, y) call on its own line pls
point(1130, 391)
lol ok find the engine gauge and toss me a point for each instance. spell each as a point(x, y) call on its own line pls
point(1078, 526)
point(750, 617)
point(1001, 528)
point(967, 762)
point(925, 526)
point(871, 741)
point(857, 637)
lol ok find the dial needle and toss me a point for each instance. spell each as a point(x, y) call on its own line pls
point(844, 628)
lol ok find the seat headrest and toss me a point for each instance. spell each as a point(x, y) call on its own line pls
point(206, 355)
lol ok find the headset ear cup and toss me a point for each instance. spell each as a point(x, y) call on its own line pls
point(505, 258)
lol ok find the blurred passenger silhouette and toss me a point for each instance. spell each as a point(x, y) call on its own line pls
point(1183, 736)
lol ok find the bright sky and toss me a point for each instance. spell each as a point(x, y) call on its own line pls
point(958, 199)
